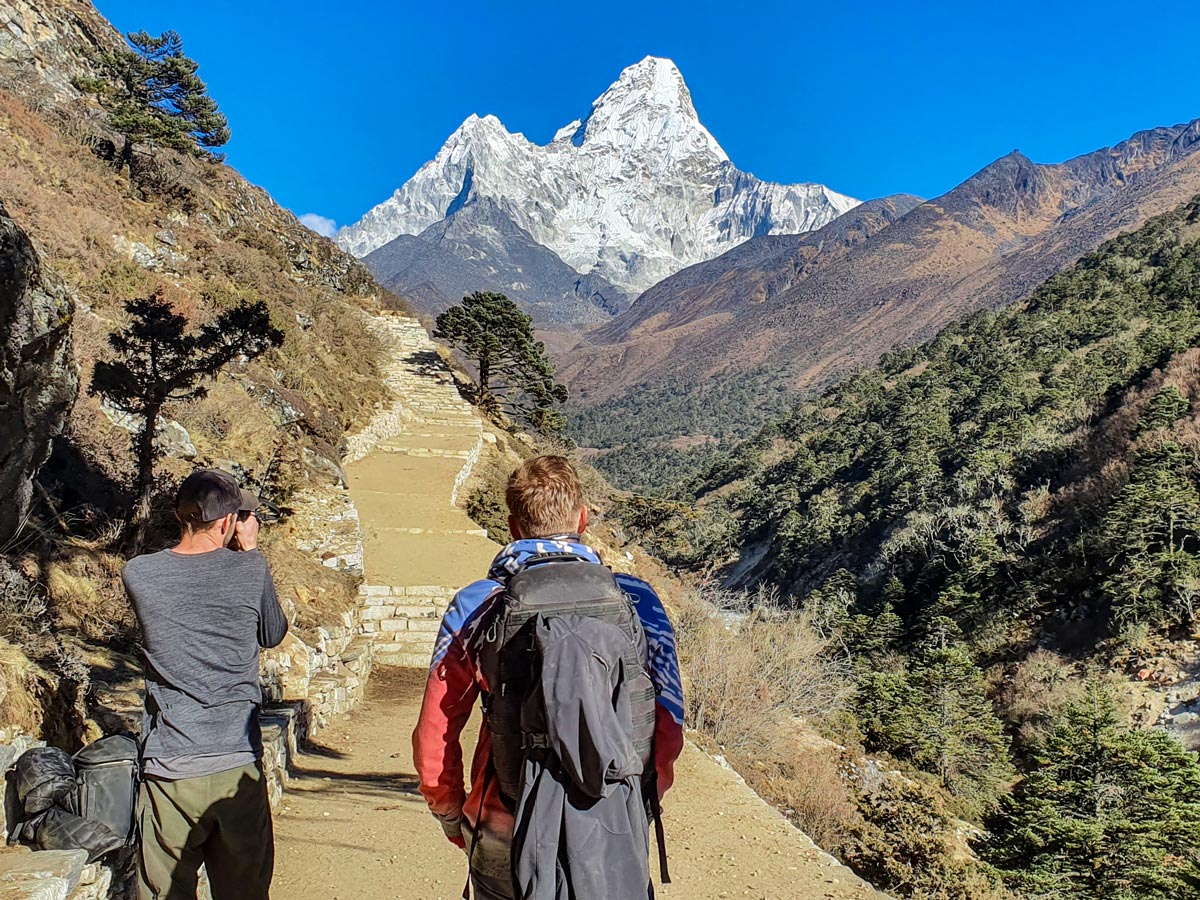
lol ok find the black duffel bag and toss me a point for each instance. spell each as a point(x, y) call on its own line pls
point(44, 777)
point(86, 802)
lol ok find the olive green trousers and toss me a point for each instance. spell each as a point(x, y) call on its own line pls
point(222, 821)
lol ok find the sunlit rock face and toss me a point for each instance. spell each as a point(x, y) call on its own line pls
point(38, 380)
point(632, 193)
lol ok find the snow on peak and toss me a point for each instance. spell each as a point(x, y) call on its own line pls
point(650, 107)
point(633, 192)
point(653, 82)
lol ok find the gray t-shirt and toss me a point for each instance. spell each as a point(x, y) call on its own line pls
point(204, 618)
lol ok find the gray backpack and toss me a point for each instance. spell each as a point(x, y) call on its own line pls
point(107, 775)
point(549, 585)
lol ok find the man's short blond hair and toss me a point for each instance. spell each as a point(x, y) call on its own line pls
point(545, 496)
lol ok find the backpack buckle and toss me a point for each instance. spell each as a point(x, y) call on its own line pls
point(535, 742)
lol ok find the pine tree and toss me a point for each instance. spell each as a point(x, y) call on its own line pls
point(873, 636)
point(1152, 533)
point(1165, 408)
point(936, 714)
point(158, 363)
point(1107, 813)
point(514, 371)
point(959, 736)
point(153, 96)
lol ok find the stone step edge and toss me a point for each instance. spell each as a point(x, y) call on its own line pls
point(402, 659)
point(396, 529)
point(415, 590)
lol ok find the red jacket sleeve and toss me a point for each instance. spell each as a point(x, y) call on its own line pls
point(668, 744)
point(450, 694)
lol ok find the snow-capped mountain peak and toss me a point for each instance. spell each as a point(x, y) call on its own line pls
point(649, 109)
point(633, 192)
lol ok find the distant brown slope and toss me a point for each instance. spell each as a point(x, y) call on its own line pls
point(986, 243)
point(753, 272)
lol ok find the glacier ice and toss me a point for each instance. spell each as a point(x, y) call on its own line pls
point(633, 192)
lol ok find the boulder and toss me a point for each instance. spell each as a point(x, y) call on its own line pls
point(41, 875)
point(326, 466)
point(154, 260)
point(172, 438)
point(38, 379)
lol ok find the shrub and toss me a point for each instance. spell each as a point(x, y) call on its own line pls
point(751, 667)
point(905, 844)
point(1106, 812)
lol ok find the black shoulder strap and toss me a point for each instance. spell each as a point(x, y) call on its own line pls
point(650, 789)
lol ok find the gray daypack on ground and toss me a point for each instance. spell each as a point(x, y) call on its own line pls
point(107, 774)
point(571, 712)
point(86, 802)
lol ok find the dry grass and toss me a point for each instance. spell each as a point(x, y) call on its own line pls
point(86, 596)
point(757, 679)
point(804, 779)
point(235, 245)
point(751, 667)
point(318, 594)
point(22, 688)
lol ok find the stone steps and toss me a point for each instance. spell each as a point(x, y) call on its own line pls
point(403, 658)
point(427, 443)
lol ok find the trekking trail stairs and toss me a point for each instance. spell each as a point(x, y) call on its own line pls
point(352, 825)
point(405, 473)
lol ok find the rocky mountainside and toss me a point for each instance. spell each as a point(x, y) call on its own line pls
point(38, 379)
point(754, 272)
point(479, 248)
point(985, 244)
point(633, 192)
point(79, 239)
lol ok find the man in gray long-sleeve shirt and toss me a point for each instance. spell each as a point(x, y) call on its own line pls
point(205, 612)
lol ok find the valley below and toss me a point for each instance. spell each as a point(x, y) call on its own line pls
point(918, 479)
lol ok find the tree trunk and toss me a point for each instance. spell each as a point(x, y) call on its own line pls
point(486, 401)
point(485, 375)
point(139, 513)
point(125, 159)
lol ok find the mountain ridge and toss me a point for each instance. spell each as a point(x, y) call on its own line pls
point(633, 192)
point(477, 247)
point(986, 243)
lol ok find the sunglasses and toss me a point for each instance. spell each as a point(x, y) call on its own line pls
point(265, 513)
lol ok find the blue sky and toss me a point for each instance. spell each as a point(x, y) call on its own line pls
point(333, 106)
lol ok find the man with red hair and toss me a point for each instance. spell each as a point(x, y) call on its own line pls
point(547, 516)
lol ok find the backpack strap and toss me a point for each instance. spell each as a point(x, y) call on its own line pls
point(510, 567)
point(551, 556)
point(489, 771)
point(650, 792)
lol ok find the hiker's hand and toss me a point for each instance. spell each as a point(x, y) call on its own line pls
point(246, 531)
point(460, 842)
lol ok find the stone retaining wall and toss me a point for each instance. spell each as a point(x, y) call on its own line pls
point(402, 622)
point(306, 689)
point(468, 468)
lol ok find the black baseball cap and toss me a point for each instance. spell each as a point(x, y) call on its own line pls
point(210, 494)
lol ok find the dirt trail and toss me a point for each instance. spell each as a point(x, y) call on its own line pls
point(353, 826)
